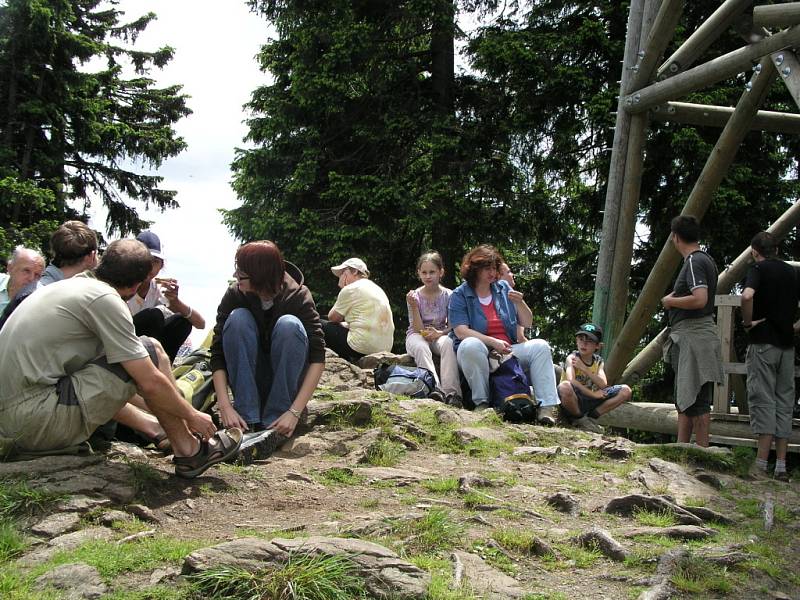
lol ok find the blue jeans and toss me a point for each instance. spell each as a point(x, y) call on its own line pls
point(264, 384)
point(534, 357)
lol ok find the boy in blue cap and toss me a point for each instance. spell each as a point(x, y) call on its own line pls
point(584, 390)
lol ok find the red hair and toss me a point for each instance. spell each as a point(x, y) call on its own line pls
point(262, 262)
point(479, 258)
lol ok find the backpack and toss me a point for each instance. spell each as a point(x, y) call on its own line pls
point(416, 382)
point(193, 379)
point(511, 393)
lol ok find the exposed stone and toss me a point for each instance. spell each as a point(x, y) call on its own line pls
point(667, 564)
point(354, 411)
point(161, 575)
point(538, 451)
point(680, 532)
point(602, 540)
point(68, 541)
point(143, 512)
point(679, 481)
point(291, 476)
point(446, 416)
point(711, 479)
point(120, 493)
point(465, 435)
point(400, 477)
point(566, 503)
point(707, 514)
point(48, 464)
point(469, 480)
point(76, 581)
point(112, 516)
point(385, 574)
point(625, 506)
point(128, 451)
point(81, 503)
point(613, 448)
point(370, 361)
point(57, 524)
point(340, 375)
point(298, 447)
point(485, 581)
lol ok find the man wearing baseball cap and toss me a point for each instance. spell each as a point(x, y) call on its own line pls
point(156, 309)
point(360, 322)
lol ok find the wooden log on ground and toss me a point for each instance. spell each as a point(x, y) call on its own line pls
point(663, 418)
point(717, 116)
point(709, 73)
point(705, 35)
point(780, 15)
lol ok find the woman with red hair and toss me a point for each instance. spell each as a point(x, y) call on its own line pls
point(484, 313)
point(267, 344)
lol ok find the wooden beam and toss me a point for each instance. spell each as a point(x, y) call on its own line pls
point(709, 73)
point(789, 69)
point(717, 116)
point(651, 354)
point(660, 35)
point(705, 35)
point(781, 15)
point(699, 200)
point(659, 417)
point(616, 172)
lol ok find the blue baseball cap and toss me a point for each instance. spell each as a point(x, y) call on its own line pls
point(153, 243)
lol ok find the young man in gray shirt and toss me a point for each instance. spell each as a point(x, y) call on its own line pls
point(693, 347)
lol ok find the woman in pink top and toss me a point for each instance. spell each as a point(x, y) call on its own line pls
point(428, 328)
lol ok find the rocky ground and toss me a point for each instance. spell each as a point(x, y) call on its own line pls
point(414, 499)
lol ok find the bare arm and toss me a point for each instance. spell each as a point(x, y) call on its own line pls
point(696, 300)
point(159, 393)
point(524, 313)
point(335, 317)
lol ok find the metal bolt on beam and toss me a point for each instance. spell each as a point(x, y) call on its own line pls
point(757, 68)
point(671, 110)
point(786, 71)
point(637, 98)
point(748, 86)
point(779, 60)
point(673, 67)
point(641, 54)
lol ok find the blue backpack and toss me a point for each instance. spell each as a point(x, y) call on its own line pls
point(415, 382)
point(511, 393)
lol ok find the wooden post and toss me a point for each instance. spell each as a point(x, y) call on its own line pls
point(711, 72)
point(651, 354)
point(784, 14)
point(657, 40)
point(705, 35)
point(717, 116)
point(789, 69)
point(725, 306)
point(699, 200)
point(619, 150)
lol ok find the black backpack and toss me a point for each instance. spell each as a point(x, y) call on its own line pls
point(511, 392)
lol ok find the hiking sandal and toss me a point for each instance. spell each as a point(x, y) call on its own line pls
point(228, 443)
point(161, 442)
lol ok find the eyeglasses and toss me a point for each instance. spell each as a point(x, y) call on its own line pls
point(240, 276)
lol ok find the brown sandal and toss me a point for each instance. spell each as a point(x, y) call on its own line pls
point(228, 442)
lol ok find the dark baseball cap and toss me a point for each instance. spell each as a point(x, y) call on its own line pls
point(153, 243)
point(592, 331)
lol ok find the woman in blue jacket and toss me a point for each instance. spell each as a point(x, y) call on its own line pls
point(484, 313)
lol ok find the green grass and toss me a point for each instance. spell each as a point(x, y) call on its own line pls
point(302, 577)
point(495, 557)
point(695, 576)
point(436, 531)
point(738, 462)
point(111, 559)
point(15, 586)
point(12, 543)
point(447, 485)
point(573, 556)
point(341, 476)
point(384, 453)
point(158, 592)
point(144, 477)
point(515, 540)
point(662, 518)
point(18, 499)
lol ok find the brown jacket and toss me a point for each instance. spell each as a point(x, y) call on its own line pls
point(293, 299)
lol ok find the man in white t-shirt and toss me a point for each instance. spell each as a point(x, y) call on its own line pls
point(360, 322)
point(24, 267)
point(70, 361)
point(157, 310)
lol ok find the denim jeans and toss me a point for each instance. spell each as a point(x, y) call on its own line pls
point(534, 357)
point(264, 384)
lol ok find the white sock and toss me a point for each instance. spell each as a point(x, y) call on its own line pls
point(761, 463)
point(780, 466)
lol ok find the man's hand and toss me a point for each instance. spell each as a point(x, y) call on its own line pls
point(666, 301)
point(201, 423)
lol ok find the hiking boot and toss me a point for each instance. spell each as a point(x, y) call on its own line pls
point(545, 416)
point(454, 401)
point(588, 424)
point(437, 395)
point(781, 476)
point(259, 445)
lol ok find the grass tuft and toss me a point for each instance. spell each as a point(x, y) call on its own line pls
point(18, 499)
point(447, 485)
point(434, 532)
point(384, 453)
point(701, 577)
point(12, 543)
point(661, 518)
point(341, 476)
point(303, 576)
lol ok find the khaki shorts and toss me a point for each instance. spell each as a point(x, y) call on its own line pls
point(770, 389)
point(51, 418)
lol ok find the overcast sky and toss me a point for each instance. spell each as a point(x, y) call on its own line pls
point(215, 44)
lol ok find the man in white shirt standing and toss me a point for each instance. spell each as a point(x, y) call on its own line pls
point(157, 311)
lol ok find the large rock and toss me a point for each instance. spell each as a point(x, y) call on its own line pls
point(386, 575)
point(602, 540)
point(465, 435)
point(370, 361)
point(340, 375)
point(679, 482)
point(399, 477)
point(485, 581)
point(626, 505)
point(75, 581)
point(57, 524)
point(48, 464)
point(679, 532)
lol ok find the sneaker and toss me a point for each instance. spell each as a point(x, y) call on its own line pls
point(545, 416)
point(437, 395)
point(259, 445)
point(588, 424)
point(782, 476)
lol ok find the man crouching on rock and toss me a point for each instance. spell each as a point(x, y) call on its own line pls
point(70, 361)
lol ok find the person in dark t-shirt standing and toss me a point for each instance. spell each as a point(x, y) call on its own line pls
point(769, 304)
point(692, 347)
